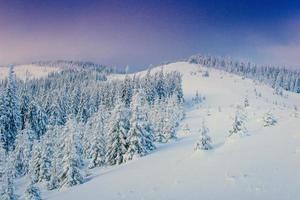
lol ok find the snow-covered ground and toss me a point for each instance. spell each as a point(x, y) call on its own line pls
point(28, 71)
point(262, 165)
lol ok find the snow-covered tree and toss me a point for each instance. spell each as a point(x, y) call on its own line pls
point(173, 114)
point(246, 102)
point(10, 114)
point(117, 135)
point(7, 186)
point(32, 192)
point(98, 146)
point(35, 163)
point(48, 141)
point(238, 126)
point(278, 78)
point(157, 113)
point(22, 153)
point(269, 119)
point(206, 74)
point(198, 98)
point(140, 140)
point(56, 163)
point(71, 158)
point(204, 141)
point(37, 119)
point(160, 84)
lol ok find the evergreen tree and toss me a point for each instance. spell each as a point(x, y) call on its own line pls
point(269, 119)
point(32, 192)
point(53, 183)
point(171, 119)
point(140, 140)
point(246, 102)
point(160, 84)
point(149, 88)
point(157, 118)
point(117, 134)
point(37, 119)
point(47, 154)
point(22, 153)
point(8, 189)
point(71, 160)
point(126, 91)
point(98, 148)
point(204, 141)
point(238, 126)
point(10, 115)
point(35, 163)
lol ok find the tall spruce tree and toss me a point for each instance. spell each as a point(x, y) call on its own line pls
point(71, 158)
point(10, 115)
point(7, 186)
point(140, 140)
point(117, 135)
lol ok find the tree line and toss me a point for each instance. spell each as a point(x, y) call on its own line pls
point(54, 127)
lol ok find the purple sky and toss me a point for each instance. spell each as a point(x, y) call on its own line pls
point(139, 33)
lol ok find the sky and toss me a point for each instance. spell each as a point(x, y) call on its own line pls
point(140, 33)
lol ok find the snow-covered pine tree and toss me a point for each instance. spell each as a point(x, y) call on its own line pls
point(47, 154)
point(98, 146)
point(71, 158)
point(32, 192)
point(56, 163)
point(117, 134)
point(75, 104)
point(149, 87)
point(157, 119)
point(22, 153)
point(2, 162)
point(197, 99)
point(246, 102)
point(238, 126)
point(53, 183)
point(126, 91)
point(160, 84)
point(24, 102)
point(140, 140)
point(172, 116)
point(35, 162)
point(269, 119)
point(10, 114)
point(7, 186)
point(206, 74)
point(37, 119)
point(177, 106)
point(204, 141)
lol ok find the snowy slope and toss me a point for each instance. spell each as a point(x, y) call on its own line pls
point(263, 165)
point(29, 71)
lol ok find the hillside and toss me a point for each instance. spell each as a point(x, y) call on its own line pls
point(29, 71)
point(262, 164)
point(43, 68)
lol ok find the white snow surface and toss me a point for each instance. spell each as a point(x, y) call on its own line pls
point(262, 165)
